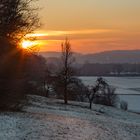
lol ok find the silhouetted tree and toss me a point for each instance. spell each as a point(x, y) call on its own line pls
point(35, 75)
point(66, 72)
point(102, 93)
point(118, 68)
point(93, 90)
point(17, 18)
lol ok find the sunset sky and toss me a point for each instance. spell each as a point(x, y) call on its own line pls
point(91, 25)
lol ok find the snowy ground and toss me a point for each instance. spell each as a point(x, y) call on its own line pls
point(50, 119)
point(123, 85)
point(128, 87)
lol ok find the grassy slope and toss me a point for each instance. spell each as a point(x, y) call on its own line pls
point(50, 119)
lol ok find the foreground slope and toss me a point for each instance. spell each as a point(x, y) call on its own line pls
point(50, 119)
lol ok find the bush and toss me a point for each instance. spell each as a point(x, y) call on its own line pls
point(124, 105)
point(35, 75)
point(106, 96)
point(76, 89)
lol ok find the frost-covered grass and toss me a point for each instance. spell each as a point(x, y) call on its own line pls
point(50, 119)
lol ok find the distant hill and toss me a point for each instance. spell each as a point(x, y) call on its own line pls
point(117, 56)
point(56, 54)
point(50, 54)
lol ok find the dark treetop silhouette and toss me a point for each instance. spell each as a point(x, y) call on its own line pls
point(17, 18)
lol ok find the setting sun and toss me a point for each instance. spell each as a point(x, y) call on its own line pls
point(27, 44)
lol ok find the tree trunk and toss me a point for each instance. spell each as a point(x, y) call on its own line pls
point(90, 105)
point(65, 95)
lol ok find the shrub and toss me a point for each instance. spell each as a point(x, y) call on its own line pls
point(76, 89)
point(124, 105)
point(106, 96)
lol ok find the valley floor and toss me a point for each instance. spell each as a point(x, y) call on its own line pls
point(50, 119)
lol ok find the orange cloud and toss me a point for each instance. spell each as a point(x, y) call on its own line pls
point(88, 41)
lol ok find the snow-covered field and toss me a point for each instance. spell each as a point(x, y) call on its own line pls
point(50, 119)
point(123, 85)
point(129, 87)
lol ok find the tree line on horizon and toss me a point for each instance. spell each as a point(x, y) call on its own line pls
point(99, 69)
point(89, 69)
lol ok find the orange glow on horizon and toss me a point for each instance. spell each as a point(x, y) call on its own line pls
point(85, 41)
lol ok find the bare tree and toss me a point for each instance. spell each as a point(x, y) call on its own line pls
point(93, 91)
point(65, 74)
point(102, 93)
point(66, 60)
